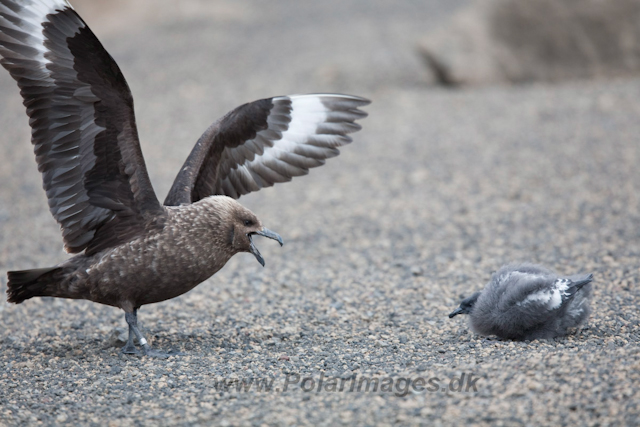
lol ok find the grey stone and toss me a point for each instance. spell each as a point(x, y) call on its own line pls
point(494, 41)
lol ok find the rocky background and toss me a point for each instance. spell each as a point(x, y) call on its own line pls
point(513, 41)
point(438, 190)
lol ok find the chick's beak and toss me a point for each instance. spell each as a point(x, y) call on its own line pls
point(266, 233)
point(455, 312)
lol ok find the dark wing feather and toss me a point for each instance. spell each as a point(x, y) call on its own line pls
point(264, 142)
point(83, 125)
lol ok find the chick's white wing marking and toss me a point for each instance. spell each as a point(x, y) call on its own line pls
point(550, 298)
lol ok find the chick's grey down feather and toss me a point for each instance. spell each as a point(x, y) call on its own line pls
point(131, 250)
point(528, 301)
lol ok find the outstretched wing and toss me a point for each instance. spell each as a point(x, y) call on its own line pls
point(264, 142)
point(83, 125)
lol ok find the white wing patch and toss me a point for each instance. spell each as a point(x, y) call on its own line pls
point(32, 16)
point(550, 298)
point(302, 132)
point(307, 113)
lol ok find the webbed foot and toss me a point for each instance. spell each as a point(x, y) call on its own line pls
point(130, 349)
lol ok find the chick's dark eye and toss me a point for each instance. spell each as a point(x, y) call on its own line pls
point(248, 222)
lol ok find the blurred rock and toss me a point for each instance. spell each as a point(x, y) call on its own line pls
point(494, 41)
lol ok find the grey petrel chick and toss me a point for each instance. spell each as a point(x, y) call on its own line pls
point(528, 301)
point(132, 250)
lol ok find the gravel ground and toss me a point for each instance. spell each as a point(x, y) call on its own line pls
point(439, 189)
